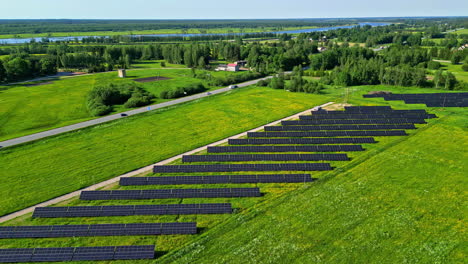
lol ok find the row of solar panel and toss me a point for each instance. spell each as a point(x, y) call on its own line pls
point(374, 133)
point(368, 116)
point(268, 141)
point(216, 179)
point(76, 253)
point(352, 121)
point(428, 95)
point(243, 167)
point(367, 108)
point(97, 230)
point(264, 157)
point(357, 112)
point(339, 127)
point(444, 104)
point(318, 148)
point(170, 193)
point(127, 210)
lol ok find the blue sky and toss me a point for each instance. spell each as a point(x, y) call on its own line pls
point(212, 9)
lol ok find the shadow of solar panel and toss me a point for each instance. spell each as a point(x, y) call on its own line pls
point(328, 134)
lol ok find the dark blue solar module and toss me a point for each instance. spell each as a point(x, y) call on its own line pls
point(340, 127)
point(430, 99)
point(242, 167)
point(216, 179)
point(170, 193)
point(285, 141)
point(368, 116)
point(352, 121)
point(314, 148)
point(374, 133)
point(264, 157)
point(127, 210)
point(76, 254)
point(96, 230)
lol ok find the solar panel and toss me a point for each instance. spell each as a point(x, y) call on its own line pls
point(430, 99)
point(243, 167)
point(278, 141)
point(369, 116)
point(170, 193)
point(329, 134)
point(315, 148)
point(352, 121)
point(77, 253)
point(340, 127)
point(127, 210)
point(215, 179)
point(264, 157)
point(95, 230)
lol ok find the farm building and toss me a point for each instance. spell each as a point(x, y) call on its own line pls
point(228, 67)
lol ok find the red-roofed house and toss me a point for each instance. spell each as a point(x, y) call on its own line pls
point(232, 67)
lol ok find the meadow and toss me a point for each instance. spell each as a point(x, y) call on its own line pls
point(399, 201)
point(28, 109)
point(117, 147)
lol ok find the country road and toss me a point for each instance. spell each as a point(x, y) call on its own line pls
point(97, 121)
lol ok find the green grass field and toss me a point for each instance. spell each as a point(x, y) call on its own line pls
point(400, 201)
point(462, 31)
point(121, 146)
point(26, 110)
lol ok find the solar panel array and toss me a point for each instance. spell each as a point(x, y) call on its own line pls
point(352, 121)
point(264, 157)
point(169, 193)
point(76, 253)
point(319, 148)
point(243, 167)
point(97, 230)
point(367, 116)
point(127, 210)
point(284, 141)
point(375, 133)
point(216, 179)
point(340, 127)
point(430, 99)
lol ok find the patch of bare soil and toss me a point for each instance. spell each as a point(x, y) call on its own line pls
point(151, 79)
point(333, 107)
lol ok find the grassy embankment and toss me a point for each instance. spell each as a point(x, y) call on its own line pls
point(399, 201)
point(26, 109)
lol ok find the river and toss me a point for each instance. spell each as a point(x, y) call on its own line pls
point(306, 30)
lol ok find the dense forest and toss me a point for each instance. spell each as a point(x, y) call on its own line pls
point(406, 62)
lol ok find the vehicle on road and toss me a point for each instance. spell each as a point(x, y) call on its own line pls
point(233, 86)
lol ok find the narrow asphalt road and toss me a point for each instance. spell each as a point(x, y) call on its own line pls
point(60, 130)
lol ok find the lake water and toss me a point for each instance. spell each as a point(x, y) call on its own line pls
point(306, 30)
